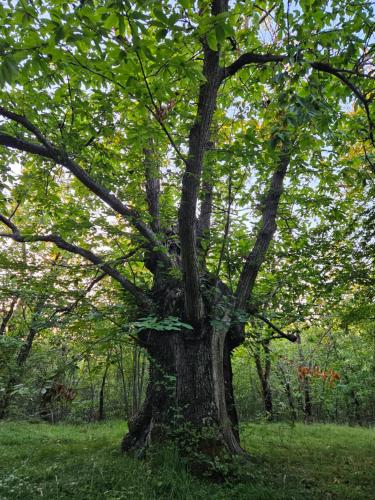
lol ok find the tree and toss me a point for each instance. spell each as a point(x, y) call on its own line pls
point(170, 106)
point(36, 297)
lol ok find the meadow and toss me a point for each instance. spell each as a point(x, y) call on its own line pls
point(84, 462)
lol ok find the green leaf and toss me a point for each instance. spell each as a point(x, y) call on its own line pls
point(121, 25)
point(8, 70)
point(159, 14)
point(171, 323)
point(186, 4)
point(111, 21)
point(59, 33)
point(220, 33)
point(212, 40)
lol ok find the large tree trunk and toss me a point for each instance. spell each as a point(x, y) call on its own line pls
point(189, 398)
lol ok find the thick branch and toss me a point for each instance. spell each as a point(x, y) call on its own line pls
point(204, 221)
point(337, 72)
point(218, 7)
point(8, 316)
point(22, 120)
point(205, 212)
point(152, 176)
point(226, 226)
point(46, 150)
point(198, 141)
point(265, 234)
point(139, 296)
point(27, 147)
point(288, 336)
point(252, 58)
point(267, 361)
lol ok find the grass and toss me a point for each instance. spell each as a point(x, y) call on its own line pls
point(84, 462)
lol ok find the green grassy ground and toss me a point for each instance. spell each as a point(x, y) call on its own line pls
point(84, 462)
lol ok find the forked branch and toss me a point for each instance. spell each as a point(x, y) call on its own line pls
point(47, 150)
point(198, 143)
point(266, 231)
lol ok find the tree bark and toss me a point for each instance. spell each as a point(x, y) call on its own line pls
point(190, 394)
point(125, 390)
point(101, 414)
point(264, 377)
point(8, 316)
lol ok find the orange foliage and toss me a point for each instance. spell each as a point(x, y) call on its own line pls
point(330, 375)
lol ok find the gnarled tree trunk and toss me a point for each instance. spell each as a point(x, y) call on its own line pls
point(190, 393)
